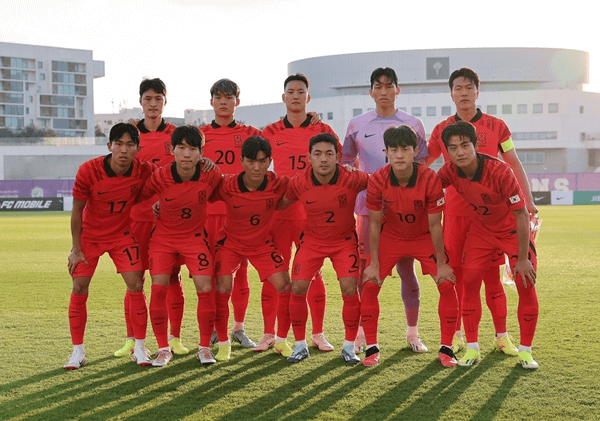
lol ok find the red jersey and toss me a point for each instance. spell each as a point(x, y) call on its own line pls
point(493, 193)
point(493, 137)
point(109, 197)
point(330, 207)
point(290, 153)
point(182, 203)
point(155, 147)
point(405, 209)
point(249, 212)
point(224, 147)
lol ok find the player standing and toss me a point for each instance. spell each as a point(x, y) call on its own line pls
point(327, 192)
point(494, 138)
point(251, 198)
point(104, 191)
point(183, 189)
point(155, 147)
point(364, 139)
point(289, 139)
point(405, 202)
point(224, 139)
point(500, 221)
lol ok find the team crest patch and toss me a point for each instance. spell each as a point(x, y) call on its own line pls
point(343, 200)
point(418, 205)
point(270, 204)
point(481, 139)
point(514, 199)
point(167, 148)
point(237, 141)
point(201, 197)
point(486, 198)
point(134, 189)
point(441, 202)
point(297, 268)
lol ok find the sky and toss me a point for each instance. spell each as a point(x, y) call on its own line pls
point(192, 43)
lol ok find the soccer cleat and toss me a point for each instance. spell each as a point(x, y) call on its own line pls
point(505, 345)
point(300, 353)
point(214, 338)
point(416, 344)
point(447, 357)
point(266, 342)
point(162, 358)
point(371, 357)
point(224, 353)
point(76, 359)
point(177, 347)
point(205, 356)
point(241, 337)
point(141, 356)
point(127, 348)
point(283, 348)
point(458, 343)
point(526, 360)
point(349, 356)
point(360, 342)
point(470, 357)
point(320, 342)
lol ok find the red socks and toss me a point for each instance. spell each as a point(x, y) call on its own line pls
point(222, 315)
point(77, 317)
point(159, 314)
point(205, 313)
point(175, 304)
point(283, 314)
point(447, 311)
point(240, 294)
point(138, 313)
point(299, 315)
point(495, 298)
point(350, 316)
point(317, 299)
point(369, 311)
point(268, 297)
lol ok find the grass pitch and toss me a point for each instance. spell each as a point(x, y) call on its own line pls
point(34, 295)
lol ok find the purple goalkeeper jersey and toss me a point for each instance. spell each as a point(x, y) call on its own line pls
point(364, 139)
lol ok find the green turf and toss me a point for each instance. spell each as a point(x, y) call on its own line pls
point(34, 294)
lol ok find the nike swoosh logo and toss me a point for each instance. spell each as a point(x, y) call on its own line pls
point(538, 198)
point(169, 200)
point(201, 269)
point(140, 314)
point(278, 266)
point(353, 271)
point(529, 320)
point(208, 140)
point(308, 202)
point(560, 198)
point(102, 192)
point(369, 135)
point(237, 207)
point(158, 324)
point(281, 143)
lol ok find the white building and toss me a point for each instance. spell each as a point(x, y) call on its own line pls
point(48, 87)
point(106, 121)
point(538, 92)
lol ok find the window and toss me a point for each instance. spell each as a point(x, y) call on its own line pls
point(320, 116)
point(538, 108)
point(26, 110)
point(40, 64)
point(42, 76)
point(506, 109)
point(416, 111)
point(403, 109)
point(446, 111)
point(356, 112)
point(30, 98)
point(42, 123)
point(491, 109)
point(430, 111)
point(522, 109)
point(581, 109)
point(330, 116)
point(531, 157)
point(553, 108)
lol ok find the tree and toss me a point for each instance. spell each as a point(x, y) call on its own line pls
point(98, 131)
point(32, 131)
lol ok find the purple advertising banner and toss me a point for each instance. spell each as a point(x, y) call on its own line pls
point(36, 188)
point(564, 182)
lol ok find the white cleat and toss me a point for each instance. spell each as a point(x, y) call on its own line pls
point(76, 359)
point(141, 356)
point(320, 342)
point(416, 344)
point(162, 358)
point(205, 356)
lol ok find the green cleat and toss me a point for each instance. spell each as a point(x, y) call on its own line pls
point(458, 343)
point(224, 353)
point(177, 347)
point(527, 361)
point(284, 349)
point(127, 349)
point(505, 345)
point(470, 357)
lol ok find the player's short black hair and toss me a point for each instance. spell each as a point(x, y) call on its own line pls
point(253, 145)
point(190, 134)
point(467, 74)
point(388, 72)
point(299, 77)
point(323, 138)
point(118, 130)
point(225, 87)
point(400, 136)
point(155, 84)
point(461, 129)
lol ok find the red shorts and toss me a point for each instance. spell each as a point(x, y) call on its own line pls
point(213, 226)
point(193, 252)
point(362, 228)
point(124, 252)
point(481, 246)
point(142, 231)
point(265, 258)
point(392, 249)
point(286, 232)
point(455, 234)
point(310, 256)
